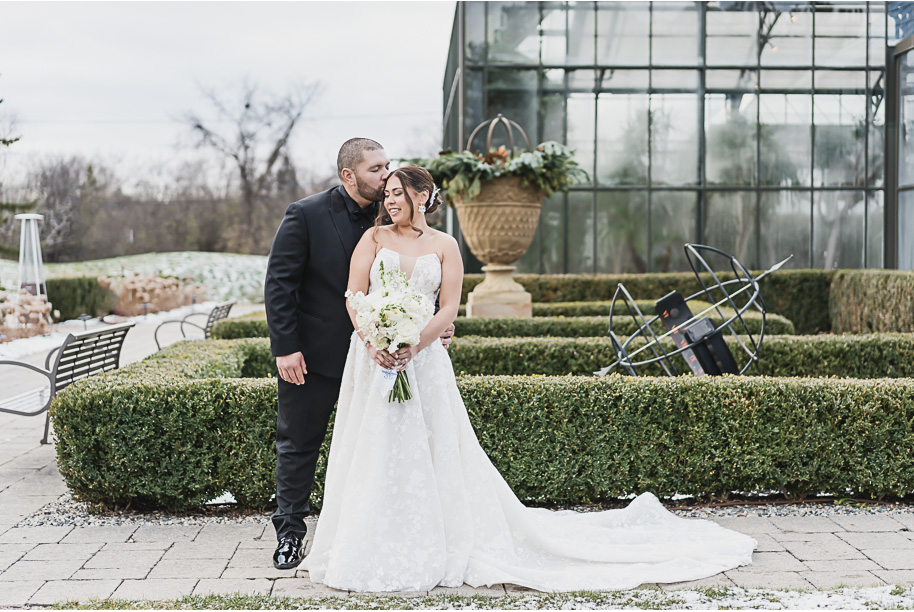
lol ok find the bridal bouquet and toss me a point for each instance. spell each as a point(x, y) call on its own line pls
point(391, 318)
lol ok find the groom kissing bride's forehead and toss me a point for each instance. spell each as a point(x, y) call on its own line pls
point(309, 325)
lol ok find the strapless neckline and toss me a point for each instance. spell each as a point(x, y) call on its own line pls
point(399, 254)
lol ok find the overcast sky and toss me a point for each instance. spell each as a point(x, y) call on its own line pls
point(112, 80)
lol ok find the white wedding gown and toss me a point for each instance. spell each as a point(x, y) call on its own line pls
point(412, 501)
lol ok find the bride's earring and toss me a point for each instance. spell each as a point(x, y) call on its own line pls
point(422, 208)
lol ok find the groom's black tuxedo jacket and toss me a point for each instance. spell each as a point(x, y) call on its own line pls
point(307, 275)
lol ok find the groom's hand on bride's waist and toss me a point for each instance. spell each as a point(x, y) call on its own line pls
point(292, 368)
point(447, 336)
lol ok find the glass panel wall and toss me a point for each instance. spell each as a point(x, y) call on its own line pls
point(906, 161)
point(755, 127)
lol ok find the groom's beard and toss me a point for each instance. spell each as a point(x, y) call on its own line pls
point(372, 195)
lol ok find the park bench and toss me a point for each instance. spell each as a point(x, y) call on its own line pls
point(81, 355)
point(219, 312)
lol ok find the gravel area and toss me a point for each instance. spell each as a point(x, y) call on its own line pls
point(795, 509)
point(769, 504)
point(68, 512)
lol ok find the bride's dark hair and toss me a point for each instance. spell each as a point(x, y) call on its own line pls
point(418, 179)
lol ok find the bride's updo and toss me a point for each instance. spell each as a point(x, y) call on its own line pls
point(418, 179)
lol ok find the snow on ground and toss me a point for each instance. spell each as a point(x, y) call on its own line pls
point(708, 598)
point(9, 273)
point(713, 598)
point(43, 344)
point(227, 275)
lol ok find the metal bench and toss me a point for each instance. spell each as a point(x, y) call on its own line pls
point(219, 312)
point(80, 356)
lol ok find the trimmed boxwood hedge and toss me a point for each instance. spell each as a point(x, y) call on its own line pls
point(74, 296)
point(248, 326)
point(256, 327)
point(800, 295)
point(863, 356)
point(590, 326)
point(595, 309)
point(844, 301)
point(872, 301)
point(182, 427)
point(177, 429)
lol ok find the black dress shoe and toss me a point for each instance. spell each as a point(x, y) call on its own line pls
point(289, 553)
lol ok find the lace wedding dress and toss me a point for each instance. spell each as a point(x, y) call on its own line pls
point(412, 501)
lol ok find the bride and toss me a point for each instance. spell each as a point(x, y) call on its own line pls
point(411, 499)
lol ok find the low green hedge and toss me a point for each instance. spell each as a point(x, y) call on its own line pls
point(177, 429)
point(862, 356)
point(79, 295)
point(591, 326)
point(865, 301)
point(849, 356)
point(181, 427)
point(250, 326)
point(844, 301)
point(800, 295)
point(593, 309)
point(509, 327)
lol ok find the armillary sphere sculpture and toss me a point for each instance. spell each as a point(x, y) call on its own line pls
point(699, 341)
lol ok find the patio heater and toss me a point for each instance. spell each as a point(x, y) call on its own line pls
point(31, 266)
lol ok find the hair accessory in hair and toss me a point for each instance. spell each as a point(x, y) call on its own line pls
point(431, 200)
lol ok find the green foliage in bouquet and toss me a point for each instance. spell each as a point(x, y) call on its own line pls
point(549, 167)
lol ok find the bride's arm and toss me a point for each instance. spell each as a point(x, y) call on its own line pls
point(359, 270)
point(448, 296)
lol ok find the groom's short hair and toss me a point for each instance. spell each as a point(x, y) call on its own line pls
point(351, 153)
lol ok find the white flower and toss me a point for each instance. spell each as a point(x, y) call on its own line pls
point(394, 315)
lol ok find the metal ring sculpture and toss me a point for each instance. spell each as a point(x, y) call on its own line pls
point(492, 123)
point(699, 341)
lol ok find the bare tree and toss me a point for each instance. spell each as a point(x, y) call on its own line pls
point(257, 142)
point(56, 183)
point(7, 128)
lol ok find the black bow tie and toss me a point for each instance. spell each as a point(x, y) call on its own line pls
point(360, 214)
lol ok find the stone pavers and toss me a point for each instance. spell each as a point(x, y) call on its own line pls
point(104, 535)
point(221, 586)
point(17, 593)
point(46, 565)
point(156, 589)
point(302, 587)
point(73, 590)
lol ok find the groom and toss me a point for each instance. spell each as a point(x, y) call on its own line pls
point(309, 325)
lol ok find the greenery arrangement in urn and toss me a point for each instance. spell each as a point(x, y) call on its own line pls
point(549, 167)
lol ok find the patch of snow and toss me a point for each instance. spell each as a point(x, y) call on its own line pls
point(43, 344)
point(714, 598)
point(227, 275)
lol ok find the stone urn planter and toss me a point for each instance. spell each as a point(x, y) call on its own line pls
point(498, 194)
point(498, 225)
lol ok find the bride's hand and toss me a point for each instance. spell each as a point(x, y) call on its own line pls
point(381, 357)
point(404, 355)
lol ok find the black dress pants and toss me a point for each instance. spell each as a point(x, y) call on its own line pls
point(301, 425)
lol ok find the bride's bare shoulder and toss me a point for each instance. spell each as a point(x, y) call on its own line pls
point(444, 242)
point(379, 235)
